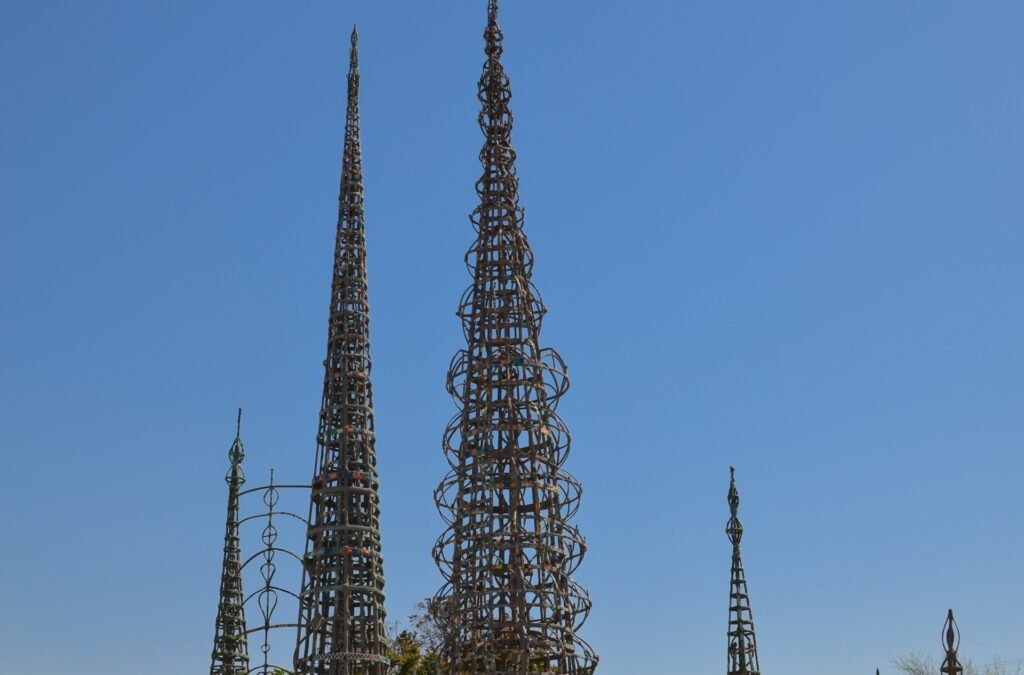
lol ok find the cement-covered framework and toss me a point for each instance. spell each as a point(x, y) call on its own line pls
point(510, 550)
point(341, 608)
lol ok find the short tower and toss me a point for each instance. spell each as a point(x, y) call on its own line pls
point(230, 644)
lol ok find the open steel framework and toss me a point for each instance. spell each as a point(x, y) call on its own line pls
point(230, 642)
point(341, 609)
point(509, 550)
point(742, 639)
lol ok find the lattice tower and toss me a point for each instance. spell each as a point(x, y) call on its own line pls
point(742, 638)
point(510, 550)
point(341, 613)
point(230, 644)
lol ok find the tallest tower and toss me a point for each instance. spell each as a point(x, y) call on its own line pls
point(510, 549)
point(341, 609)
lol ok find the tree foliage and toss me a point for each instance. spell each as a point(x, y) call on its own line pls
point(917, 664)
point(423, 648)
point(434, 622)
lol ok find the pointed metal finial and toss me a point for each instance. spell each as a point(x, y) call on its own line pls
point(353, 56)
point(492, 34)
point(951, 642)
point(236, 453)
point(734, 528)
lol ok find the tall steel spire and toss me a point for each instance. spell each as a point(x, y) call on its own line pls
point(742, 639)
point(341, 612)
point(951, 641)
point(509, 551)
point(230, 645)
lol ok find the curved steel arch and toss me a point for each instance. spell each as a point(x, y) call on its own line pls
point(267, 597)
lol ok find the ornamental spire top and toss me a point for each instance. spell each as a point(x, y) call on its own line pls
point(492, 34)
point(237, 451)
point(951, 641)
point(735, 527)
point(353, 55)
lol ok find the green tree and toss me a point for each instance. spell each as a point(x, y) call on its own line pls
point(435, 623)
point(408, 656)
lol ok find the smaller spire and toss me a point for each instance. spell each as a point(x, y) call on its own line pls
point(951, 641)
point(230, 644)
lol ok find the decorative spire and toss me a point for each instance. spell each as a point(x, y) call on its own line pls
point(951, 641)
point(510, 548)
point(742, 639)
point(230, 645)
point(341, 608)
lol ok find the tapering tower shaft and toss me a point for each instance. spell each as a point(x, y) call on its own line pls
point(341, 612)
point(230, 645)
point(510, 549)
point(742, 638)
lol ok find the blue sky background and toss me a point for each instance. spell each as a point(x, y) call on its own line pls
point(783, 235)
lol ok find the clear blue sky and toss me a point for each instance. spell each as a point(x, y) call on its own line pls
point(782, 235)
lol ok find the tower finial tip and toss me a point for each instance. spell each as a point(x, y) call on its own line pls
point(353, 54)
